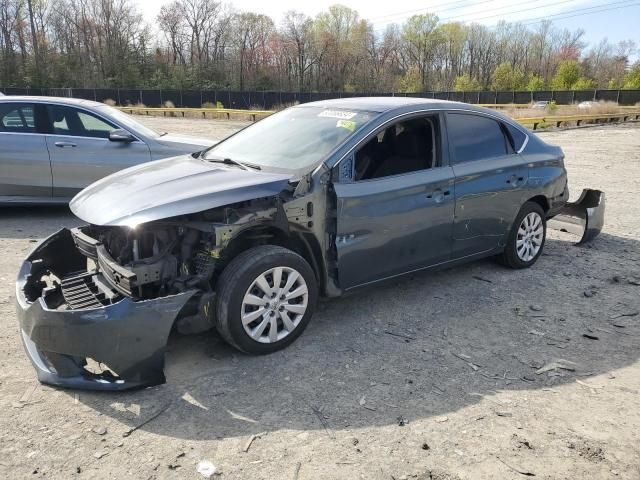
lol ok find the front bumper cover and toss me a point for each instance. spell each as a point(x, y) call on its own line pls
point(128, 336)
point(583, 218)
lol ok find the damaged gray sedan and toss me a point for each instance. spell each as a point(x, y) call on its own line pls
point(313, 201)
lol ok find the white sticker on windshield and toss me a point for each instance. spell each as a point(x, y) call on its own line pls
point(341, 114)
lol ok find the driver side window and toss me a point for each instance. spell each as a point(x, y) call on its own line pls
point(65, 120)
point(407, 146)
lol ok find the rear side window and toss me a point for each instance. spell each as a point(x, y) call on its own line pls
point(17, 117)
point(474, 137)
point(517, 136)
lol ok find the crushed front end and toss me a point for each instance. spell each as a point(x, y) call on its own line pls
point(96, 304)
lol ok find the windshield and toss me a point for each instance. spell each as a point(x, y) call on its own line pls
point(128, 121)
point(296, 138)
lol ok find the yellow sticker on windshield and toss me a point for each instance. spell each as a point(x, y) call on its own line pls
point(348, 124)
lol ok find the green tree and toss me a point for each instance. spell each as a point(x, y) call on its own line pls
point(584, 83)
point(567, 74)
point(464, 83)
point(632, 79)
point(411, 82)
point(535, 83)
point(505, 77)
point(421, 39)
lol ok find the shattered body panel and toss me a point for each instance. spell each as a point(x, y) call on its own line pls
point(160, 236)
point(128, 337)
point(583, 218)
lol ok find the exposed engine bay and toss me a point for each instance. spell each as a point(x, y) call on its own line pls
point(159, 259)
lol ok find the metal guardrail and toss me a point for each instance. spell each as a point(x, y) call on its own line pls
point(534, 122)
point(254, 114)
point(558, 120)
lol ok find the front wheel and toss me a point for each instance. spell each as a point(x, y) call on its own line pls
point(526, 238)
point(266, 297)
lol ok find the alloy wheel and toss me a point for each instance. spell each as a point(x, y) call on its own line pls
point(274, 304)
point(530, 236)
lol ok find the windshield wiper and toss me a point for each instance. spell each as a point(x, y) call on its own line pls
point(230, 161)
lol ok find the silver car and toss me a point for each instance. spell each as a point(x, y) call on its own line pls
point(51, 148)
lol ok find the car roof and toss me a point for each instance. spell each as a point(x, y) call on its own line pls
point(58, 100)
point(386, 104)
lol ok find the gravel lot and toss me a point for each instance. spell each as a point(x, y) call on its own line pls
point(436, 376)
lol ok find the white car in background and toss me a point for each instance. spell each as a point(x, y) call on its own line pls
point(587, 105)
point(51, 148)
point(540, 104)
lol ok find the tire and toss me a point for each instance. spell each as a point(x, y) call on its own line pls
point(514, 255)
point(242, 292)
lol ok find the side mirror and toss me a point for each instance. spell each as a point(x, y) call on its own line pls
point(120, 135)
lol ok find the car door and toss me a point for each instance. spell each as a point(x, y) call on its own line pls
point(81, 152)
point(25, 170)
point(490, 180)
point(394, 204)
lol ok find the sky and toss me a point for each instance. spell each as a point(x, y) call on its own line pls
point(616, 20)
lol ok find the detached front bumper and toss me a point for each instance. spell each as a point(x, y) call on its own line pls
point(128, 337)
point(583, 218)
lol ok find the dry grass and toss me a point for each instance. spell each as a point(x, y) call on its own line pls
point(600, 107)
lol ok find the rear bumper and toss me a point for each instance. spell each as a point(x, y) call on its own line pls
point(583, 218)
point(129, 337)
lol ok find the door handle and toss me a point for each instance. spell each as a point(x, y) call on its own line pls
point(64, 144)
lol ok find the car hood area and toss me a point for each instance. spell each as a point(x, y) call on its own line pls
point(177, 141)
point(170, 187)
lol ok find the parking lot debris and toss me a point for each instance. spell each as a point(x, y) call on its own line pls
point(632, 313)
point(589, 293)
point(296, 471)
point(466, 359)
point(442, 419)
point(515, 469)
point(207, 469)
point(151, 418)
point(401, 335)
point(176, 464)
point(522, 442)
point(536, 308)
point(504, 414)
point(559, 364)
point(425, 446)
point(99, 430)
point(402, 421)
point(101, 453)
point(482, 279)
point(251, 440)
point(590, 336)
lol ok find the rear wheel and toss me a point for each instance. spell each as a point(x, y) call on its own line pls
point(527, 237)
point(266, 298)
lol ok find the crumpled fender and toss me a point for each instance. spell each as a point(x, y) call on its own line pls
point(583, 218)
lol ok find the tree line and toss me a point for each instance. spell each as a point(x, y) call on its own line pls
point(207, 44)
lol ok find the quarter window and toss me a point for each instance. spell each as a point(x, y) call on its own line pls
point(474, 137)
point(71, 121)
point(15, 117)
point(517, 136)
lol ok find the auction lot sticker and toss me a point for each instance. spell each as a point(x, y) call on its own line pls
point(340, 114)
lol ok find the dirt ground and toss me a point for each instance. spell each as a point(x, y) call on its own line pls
point(448, 375)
